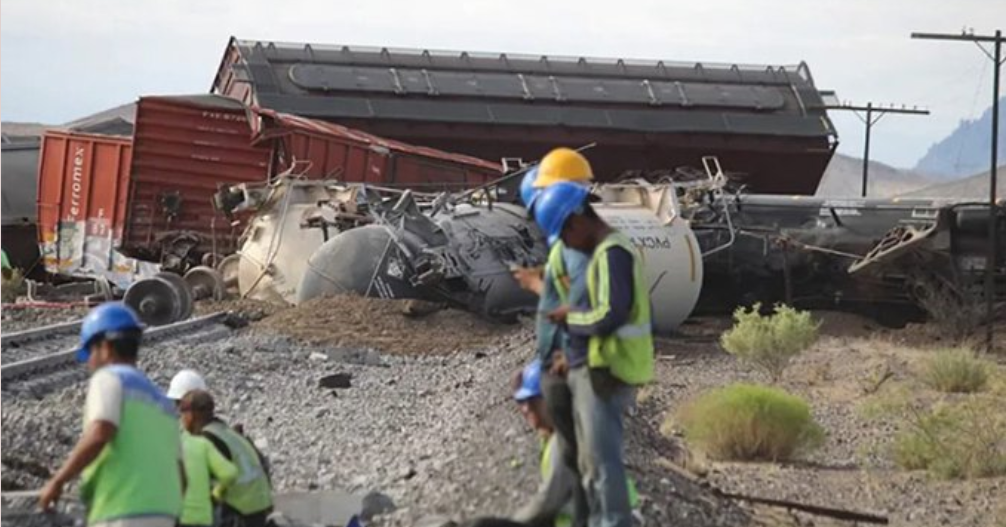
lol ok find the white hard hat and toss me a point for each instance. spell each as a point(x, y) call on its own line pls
point(184, 382)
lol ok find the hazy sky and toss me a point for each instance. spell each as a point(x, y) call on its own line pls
point(64, 59)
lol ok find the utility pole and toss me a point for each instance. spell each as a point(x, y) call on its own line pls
point(990, 257)
point(869, 120)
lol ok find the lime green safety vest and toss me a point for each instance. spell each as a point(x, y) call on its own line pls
point(564, 518)
point(250, 492)
point(628, 352)
point(202, 462)
point(136, 474)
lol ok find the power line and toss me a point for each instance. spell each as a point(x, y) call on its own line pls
point(990, 257)
point(869, 120)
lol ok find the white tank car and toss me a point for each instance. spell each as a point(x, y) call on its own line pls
point(278, 242)
point(649, 215)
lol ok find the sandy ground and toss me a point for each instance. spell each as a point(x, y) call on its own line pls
point(853, 469)
point(428, 418)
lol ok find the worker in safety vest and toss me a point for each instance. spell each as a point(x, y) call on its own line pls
point(561, 164)
point(610, 347)
point(552, 506)
point(129, 455)
point(208, 472)
point(248, 501)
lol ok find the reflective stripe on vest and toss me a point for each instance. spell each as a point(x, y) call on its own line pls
point(136, 474)
point(250, 493)
point(628, 352)
point(556, 269)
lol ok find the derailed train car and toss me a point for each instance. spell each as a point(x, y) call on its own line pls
point(123, 207)
point(917, 256)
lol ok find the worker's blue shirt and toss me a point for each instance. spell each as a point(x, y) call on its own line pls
point(620, 276)
point(552, 336)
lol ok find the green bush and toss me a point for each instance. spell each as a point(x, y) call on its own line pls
point(12, 286)
point(750, 422)
point(770, 342)
point(956, 370)
point(967, 440)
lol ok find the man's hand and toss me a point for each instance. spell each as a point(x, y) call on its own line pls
point(559, 367)
point(96, 435)
point(559, 315)
point(529, 278)
point(50, 494)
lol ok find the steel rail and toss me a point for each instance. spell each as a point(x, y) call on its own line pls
point(28, 367)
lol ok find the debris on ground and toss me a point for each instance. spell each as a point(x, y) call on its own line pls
point(391, 326)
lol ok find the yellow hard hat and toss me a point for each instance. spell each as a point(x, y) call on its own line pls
point(563, 164)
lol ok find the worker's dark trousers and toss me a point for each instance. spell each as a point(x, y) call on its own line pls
point(559, 400)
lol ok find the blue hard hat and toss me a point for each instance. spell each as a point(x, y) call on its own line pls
point(530, 382)
point(110, 317)
point(528, 193)
point(555, 205)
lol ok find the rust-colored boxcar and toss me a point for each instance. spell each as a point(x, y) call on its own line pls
point(184, 149)
point(318, 149)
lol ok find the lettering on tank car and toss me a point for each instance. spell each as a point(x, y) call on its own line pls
point(76, 182)
point(651, 242)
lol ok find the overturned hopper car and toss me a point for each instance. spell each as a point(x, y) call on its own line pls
point(770, 120)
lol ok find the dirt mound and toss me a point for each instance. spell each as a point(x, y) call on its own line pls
point(353, 321)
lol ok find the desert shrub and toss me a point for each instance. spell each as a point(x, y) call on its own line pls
point(956, 370)
point(12, 286)
point(750, 422)
point(770, 342)
point(966, 440)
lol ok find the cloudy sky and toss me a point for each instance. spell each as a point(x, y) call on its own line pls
point(63, 59)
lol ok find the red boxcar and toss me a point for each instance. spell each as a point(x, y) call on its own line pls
point(83, 189)
point(318, 149)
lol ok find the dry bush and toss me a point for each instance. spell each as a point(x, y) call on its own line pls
point(957, 314)
point(770, 342)
point(963, 440)
point(750, 422)
point(13, 285)
point(957, 370)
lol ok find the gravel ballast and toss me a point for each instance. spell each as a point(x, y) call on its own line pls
point(433, 429)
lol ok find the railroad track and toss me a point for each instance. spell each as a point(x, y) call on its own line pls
point(21, 345)
point(48, 369)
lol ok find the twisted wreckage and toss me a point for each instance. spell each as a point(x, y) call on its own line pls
point(707, 246)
